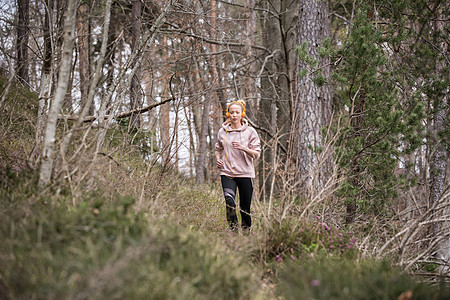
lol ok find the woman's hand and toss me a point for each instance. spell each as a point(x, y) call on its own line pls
point(249, 151)
point(219, 163)
point(238, 146)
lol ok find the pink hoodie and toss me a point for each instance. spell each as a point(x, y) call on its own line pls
point(237, 163)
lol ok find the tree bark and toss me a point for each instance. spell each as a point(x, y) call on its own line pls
point(111, 52)
point(438, 169)
point(202, 149)
point(46, 74)
point(135, 89)
point(249, 39)
point(165, 133)
point(218, 99)
point(439, 159)
point(61, 89)
point(84, 65)
point(311, 107)
point(22, 41)
point(277, 77)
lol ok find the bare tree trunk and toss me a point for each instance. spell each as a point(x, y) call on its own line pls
point(60, 13)
point(61, 89)
point(218, 96)
point(22, 41)
point(164, 118)
point(439, 159)
point(165, 132)
point(135, 89)
point(438, 169)
point(192, 119)
point(187, 114)
point(83, 32)
point(309, 109)
point(46, 74)
point(203, 147)
point(5, 91)
point(270, 39)
point(202, 150)
point(133, 63)
point(249, 40)
point(111, 53)
point(277, 82)
point(93, 82)
point(152, 118)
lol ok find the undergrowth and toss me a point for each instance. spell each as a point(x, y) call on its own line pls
point(336, 278)
point(105, 249)
point(137, 229)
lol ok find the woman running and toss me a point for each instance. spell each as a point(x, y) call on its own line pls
point(236, 148)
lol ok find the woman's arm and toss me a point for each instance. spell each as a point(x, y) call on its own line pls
point(218, 150)
point(219, 160)
point(250, 152)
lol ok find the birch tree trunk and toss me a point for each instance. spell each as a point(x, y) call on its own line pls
point(46, 74)
point(61, 89)
point(22, 41)
point(310, 117)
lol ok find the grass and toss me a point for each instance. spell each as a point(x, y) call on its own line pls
point(105, 249)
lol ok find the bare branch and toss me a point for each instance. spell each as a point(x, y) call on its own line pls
point(118, 116)
point(207, 40)
point(268, 133)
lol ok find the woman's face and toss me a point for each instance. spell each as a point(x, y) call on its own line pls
point(235, 111)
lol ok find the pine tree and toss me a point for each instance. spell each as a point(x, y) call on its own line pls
point(378, 128)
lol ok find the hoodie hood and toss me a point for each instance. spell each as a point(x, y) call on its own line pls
point(227, 126)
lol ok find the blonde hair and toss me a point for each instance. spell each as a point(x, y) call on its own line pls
point(240, 102)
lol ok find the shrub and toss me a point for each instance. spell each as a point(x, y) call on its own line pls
point(295, 239)
point(331, 278)
point(105, 249)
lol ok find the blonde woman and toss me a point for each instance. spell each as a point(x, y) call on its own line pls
point(237, 146)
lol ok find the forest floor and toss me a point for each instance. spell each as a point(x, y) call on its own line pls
point(134, 229)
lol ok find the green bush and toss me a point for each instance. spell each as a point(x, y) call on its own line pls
point(301, 239)
point(102, 248)
point(331, 278)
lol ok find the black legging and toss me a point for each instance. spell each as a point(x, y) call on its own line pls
point(245, 186)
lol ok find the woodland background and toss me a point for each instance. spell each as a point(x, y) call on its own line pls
point(110, 111)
